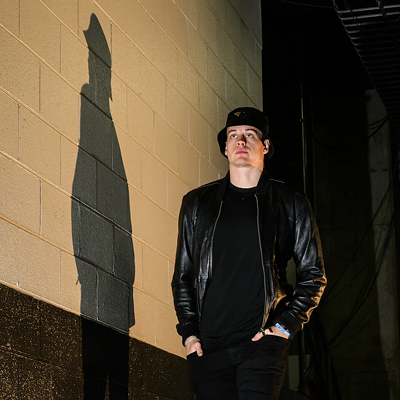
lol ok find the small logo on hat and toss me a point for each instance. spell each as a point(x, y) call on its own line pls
point(238, 113)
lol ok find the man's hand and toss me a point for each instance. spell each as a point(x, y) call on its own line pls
point(272, 330)
point(194, 345)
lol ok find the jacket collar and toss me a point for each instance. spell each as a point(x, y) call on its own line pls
point(261, 185)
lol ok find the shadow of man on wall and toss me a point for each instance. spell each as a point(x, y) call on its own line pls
point(101, 231)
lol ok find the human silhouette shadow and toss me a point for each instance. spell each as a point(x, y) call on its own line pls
point(101, 232)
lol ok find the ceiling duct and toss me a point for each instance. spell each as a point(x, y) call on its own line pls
point(374, 30)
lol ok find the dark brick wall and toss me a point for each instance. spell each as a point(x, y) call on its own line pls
point(47, 353)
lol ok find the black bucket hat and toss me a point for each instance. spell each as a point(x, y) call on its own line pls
point(246, 116)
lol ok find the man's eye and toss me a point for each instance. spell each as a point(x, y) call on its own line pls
point(233, 136)
point(249, 135)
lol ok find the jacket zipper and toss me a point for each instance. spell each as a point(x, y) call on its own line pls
point(264, 320)
point(212, 239)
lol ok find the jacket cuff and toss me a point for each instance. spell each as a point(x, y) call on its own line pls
point(288, 322)
point(187, 331)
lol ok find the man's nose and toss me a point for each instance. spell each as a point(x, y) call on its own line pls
point(242, 140)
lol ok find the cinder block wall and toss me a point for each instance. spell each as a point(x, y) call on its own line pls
point(109, 113)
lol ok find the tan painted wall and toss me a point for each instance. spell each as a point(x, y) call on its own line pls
point(177, 68)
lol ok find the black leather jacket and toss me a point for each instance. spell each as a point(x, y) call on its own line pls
point(286, 229)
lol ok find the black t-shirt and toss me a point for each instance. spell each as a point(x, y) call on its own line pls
point(234, 301)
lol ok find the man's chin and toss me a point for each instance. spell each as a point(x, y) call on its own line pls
point(240, 164)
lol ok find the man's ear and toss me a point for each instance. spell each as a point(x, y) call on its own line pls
point(266, 146)
point(226, 150)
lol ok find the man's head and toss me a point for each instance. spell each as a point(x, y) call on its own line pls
point(246, 116)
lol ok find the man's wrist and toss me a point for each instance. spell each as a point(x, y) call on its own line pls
point(283, 329)
point(189, 339)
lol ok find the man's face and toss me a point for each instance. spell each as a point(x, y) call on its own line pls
point(244, 147)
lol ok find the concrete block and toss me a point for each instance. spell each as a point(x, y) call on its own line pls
point(95, 239)
point(153, 87)
point(165, 55)
point(88, 281)
point(20, 195)
point(66, 11)
point(115, 9)
point(215, 74)
point(100, 31)
point(177, 188)
point(9, 15)
point(198, 132)
point(9, 368)
point(217, 8)
point(113, 298)
point(19, 70)
point(225, 49)
point(232, 91)
point(130, 154)
point(255, 89)
point(177, 111)
point(84, 175)
point(113, 196)
point(190, 8)
point(138, 248)
point(59, 103)
point(40, 30)
point(258, 60)
point(166, 233)
point(176, 26)
point(156, 9)
point(142, 215)
point(154, 179)
point(208, 102)
point(247, 44)
point(8, 253)
point(140, 120)
point(9, 125)
point(124, 258)
point(60, 340)
point(207, 26)
point(20, 323)
point(139, 26)
point(222, 115)
point(216, 158)
point(166, 143)
point(40, 146)
point(74, 59)
point(188, 163)
point(188, 81)
point(96, 132)
point(234, 22)
point(39, 267)
point(56, 217)
point(101, 84)
point(145, 317)
point(35, 379)
point(70, 285)
point(155, 274)
point(208, 172)
point(197, 51)
point(167, 338)
point(241, 70)
point(118, 101)
point(126, 59)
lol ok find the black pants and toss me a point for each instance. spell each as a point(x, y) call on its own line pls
point(245, 371)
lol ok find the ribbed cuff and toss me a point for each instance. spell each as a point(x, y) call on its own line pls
point(289, 323)
point(187, 331)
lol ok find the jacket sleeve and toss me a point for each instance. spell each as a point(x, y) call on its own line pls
point(183, 278)
point(310, 272)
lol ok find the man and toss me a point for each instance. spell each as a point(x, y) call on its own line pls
point(235, 309)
